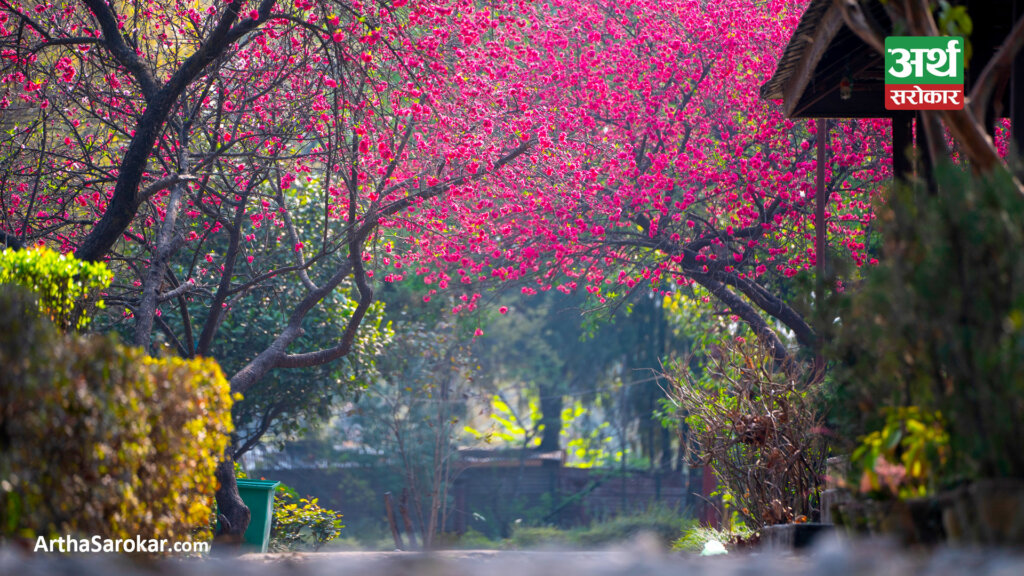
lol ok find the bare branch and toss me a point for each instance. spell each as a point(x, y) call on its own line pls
point(163, 184)
point(996, 71)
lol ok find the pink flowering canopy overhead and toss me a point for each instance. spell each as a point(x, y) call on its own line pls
point(655, 161)
point(561, 144)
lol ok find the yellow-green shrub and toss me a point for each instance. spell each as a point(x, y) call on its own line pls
point(63, 284)
point(97, 438)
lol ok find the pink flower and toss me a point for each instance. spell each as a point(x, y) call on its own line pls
point(503, 309)
point(299, 246)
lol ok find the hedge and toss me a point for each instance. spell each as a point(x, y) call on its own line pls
point(97, 438)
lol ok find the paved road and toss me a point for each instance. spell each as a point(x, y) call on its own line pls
point(829, 559)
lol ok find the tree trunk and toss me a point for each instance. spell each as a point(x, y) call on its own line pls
point(232, 513)
point(551, 417)
point(145, 314)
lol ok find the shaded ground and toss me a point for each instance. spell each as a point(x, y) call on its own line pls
point(830, 558)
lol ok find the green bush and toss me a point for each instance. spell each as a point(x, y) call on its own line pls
point(939, 326)
point(694, 538)
point(470, 540)
point(300, 523)
point(100, 439)
point(348, 544)
point(665, 523)
point(63, 284)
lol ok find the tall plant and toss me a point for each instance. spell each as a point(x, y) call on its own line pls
point(939, 324)
point(758, 424)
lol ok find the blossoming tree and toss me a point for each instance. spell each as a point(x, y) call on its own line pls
point(212, 151)
point(663, 169)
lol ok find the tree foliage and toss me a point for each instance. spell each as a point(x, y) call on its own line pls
point(566, 145)
point(663, 167)
point(289, 402)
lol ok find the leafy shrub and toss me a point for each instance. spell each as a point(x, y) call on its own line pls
point(695, 537)
point(939, 324)
point(300, 523)
point(901, 459)
point(100, 439)
point(63, 284)
point(757, 424)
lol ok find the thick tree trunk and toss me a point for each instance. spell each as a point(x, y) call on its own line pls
point(232, 513)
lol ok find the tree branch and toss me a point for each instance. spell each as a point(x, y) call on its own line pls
point(738, 306)
point(348, 338)
point(124, 203)
point(120, 50)
point(997, 70)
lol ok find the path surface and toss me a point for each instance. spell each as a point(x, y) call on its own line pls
point(831, 558)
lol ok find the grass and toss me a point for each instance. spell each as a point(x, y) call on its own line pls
point(667, 525)
point(671, 527)
point(694, 538)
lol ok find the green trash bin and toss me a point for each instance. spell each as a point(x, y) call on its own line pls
point(258, 496)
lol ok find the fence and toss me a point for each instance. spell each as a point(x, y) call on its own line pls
point(491, 495)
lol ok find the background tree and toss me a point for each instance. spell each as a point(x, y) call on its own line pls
point(547, 348)
point(411, 416)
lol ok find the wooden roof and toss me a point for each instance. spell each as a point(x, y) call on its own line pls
point(823, 51)
point(820, 54)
